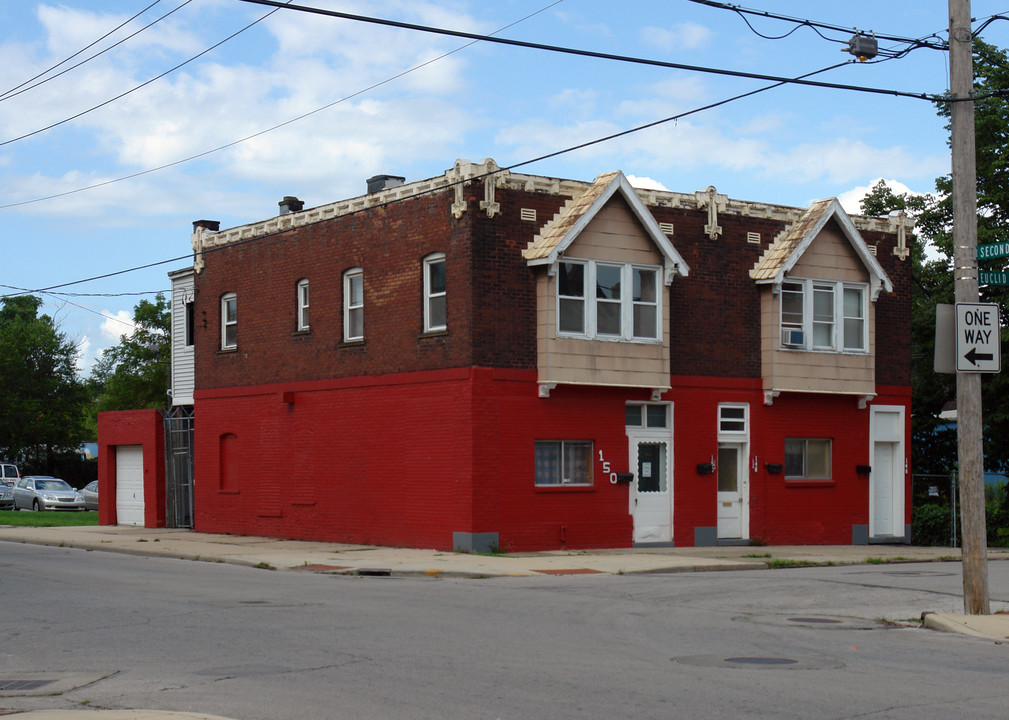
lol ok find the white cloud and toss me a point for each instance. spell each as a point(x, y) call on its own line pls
point(682, 36)
point(116, 325)
point(850, 199)
point(645, 183)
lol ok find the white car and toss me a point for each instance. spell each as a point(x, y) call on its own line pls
point(6, 497)
point(42, 492)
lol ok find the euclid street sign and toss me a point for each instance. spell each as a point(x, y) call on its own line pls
point(992, 278)
point(978, 341)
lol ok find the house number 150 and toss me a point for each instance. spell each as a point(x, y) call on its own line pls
point(606, 469)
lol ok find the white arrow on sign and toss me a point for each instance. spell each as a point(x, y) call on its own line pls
point(978, 340)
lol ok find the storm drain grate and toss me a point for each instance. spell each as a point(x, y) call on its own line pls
point(760, 661)
point(23, 684)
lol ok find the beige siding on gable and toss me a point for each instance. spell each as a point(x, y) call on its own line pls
point(615, 235)
point(829, 257)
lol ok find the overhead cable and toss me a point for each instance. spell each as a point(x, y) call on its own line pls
point(588, 53)
point(11, 93)
point(141, 85)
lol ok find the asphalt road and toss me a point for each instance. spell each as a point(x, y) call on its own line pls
point(105, 630)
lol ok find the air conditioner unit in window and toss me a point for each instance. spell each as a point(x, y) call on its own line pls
point(792, 338)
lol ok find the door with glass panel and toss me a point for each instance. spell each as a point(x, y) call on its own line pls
point(730, 491)
point(651, 492)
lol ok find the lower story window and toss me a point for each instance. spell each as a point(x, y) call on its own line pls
point(807, 459)
point(563, 462)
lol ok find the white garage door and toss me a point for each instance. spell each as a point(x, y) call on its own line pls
point(130, 484)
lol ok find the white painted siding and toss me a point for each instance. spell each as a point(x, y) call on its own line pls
point(183, 364)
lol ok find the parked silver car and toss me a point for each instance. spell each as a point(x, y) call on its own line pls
point(6, 497)
point(90, 494)
point(42, 492)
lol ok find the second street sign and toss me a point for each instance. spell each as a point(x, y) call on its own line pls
point(992, 250)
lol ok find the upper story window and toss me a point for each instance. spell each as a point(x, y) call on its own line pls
point(608, 301)
point(824, 315)
point(303, 305)
point(353, 305)
point(229, 321)
point(434, 292)
point(189, 319)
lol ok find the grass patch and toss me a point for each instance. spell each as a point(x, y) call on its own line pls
point(264, 566)
point(49, 518)
point(782, 563)
point(757, 555)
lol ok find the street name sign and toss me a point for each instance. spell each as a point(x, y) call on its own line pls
point(978, 340)
point(992, 278)
point(993, 250)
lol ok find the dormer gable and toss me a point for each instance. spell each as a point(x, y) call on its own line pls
point(775, 264)
point(558, 235)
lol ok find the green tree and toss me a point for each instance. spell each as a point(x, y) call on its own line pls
point(933, 445)
point(42, 401)
point(135, 373)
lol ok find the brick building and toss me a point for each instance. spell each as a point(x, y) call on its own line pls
point(495, 360)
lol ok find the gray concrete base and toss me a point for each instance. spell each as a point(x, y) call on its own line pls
point(475, 542)
point(859, 534)
point(705, 536)
point(653, 545)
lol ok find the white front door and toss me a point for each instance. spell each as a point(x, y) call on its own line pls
point(886, 478)
point(130, 485)
point(651, 493)
point(731, 477)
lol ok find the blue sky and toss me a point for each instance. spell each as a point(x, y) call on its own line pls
point(787, 145)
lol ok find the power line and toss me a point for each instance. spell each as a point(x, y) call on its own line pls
point(4, 95)
point(205, 153)
point(141, 85)
point(11, 93)
point(589, 53)
point(449, 185)
point(813, 25)
point(70, 294)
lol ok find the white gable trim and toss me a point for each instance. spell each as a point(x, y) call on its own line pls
point(878, 278)
point(674, 262)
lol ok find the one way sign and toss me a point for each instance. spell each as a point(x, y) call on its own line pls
point(978, 342)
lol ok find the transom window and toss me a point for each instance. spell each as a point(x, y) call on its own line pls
point(807, 459)
point(732, 419)
point(608, 301)
point(353, 305)
point(229, 321)
point(434, 292)
point(646, 415)
point(824, 315)
point(303, 304)
point(563, 462)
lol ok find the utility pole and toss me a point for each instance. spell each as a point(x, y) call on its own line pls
point(968, 384)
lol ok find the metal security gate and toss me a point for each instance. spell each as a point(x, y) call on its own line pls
point(179, 466)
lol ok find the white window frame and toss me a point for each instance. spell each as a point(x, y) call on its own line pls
point(226, 323)
point(563, 480)
point(302, 304)
point(350, 307)
point(627, 303)
point(727, 426)
point(805, 474)
point(794, 335)
point(430, 295)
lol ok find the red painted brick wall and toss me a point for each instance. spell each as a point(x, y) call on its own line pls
point(132, 427)
point(409, 459)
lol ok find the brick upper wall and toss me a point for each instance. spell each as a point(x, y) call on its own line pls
point(714, 312)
